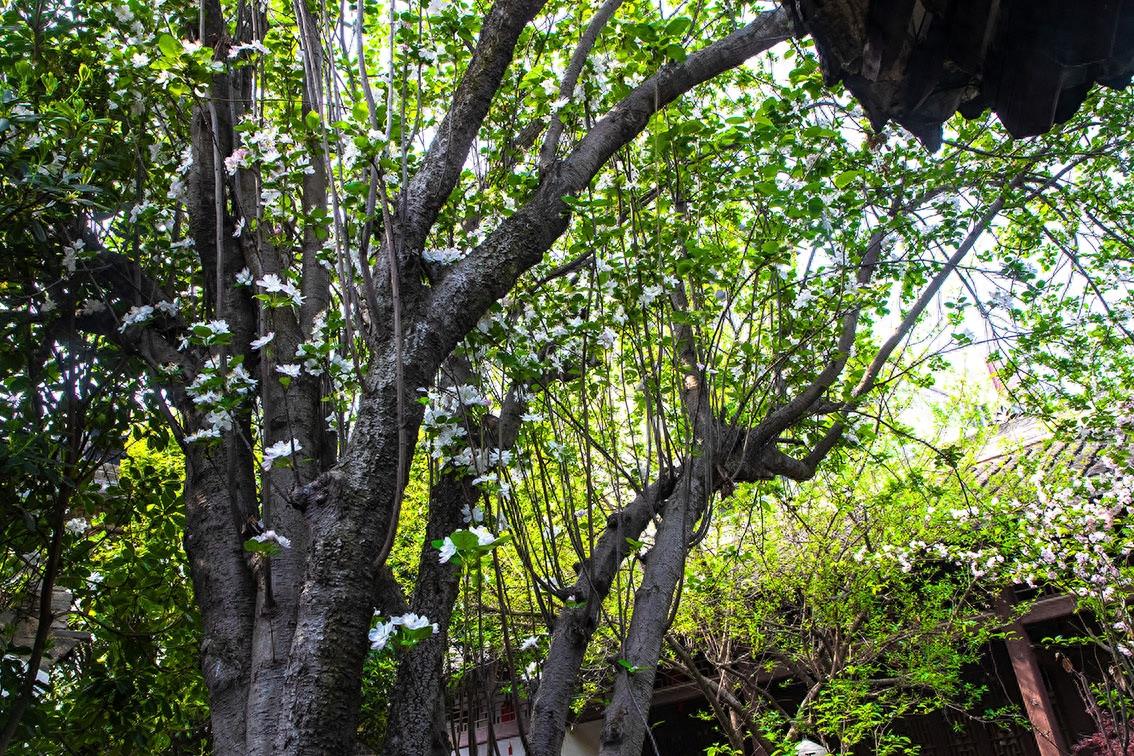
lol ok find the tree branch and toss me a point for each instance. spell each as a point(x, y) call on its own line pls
point(571, 77)
point(432, 184)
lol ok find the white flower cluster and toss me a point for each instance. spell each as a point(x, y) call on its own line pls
point(273, 284)
point(137, 315)
point(279, 450)
point(216, 392)
point(271, 536)
point(281, 166)
point(446, 256)
point(179, 187)
point(448, 550)
point(381, 634)
point(140, 314)
point(253, 46)
point(71, 254)
point(442, 421)
point(206, 333)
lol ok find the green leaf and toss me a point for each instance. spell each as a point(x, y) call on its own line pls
point(678, 26)
point(676, 51)
point(813, 132)
point(464, 540)
point(845, 178)
point(169, 46)
point(267, 548)
point(628, 666)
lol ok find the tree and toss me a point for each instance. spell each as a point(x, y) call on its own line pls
point(283, 242)
point(833, 587)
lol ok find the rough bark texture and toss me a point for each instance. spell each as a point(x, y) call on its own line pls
point(347, 510)
point(220, 487)
point(226, 593)
point(291, 412)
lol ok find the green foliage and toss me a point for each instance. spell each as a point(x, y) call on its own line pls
point(817, 594)
point(135, 686)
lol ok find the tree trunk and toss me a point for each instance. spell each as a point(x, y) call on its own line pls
point(574, 627)
point(627, 716)
point(349, 510)
point(413, 728)
point(224, 587)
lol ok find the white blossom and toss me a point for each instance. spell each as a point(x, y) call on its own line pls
point(289, 369)
point(272, 284)
point(255, 45)
point(263, 341)
point(169, 308)
point(233, 161)
point(273, 536)
point(137, 314)
point(411, 621)
point(279, 450)
point(215, 327)
point(649, 294)
point(70, 254)
point(446, 256)
point(448, 550)
point(484, 536)
point(205, 434)
point(240, 381)
point(379, 636)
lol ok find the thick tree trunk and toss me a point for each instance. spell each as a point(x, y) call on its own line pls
point(349, 510)
point(220, 484)
point(224, 587)
point(292, 412)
